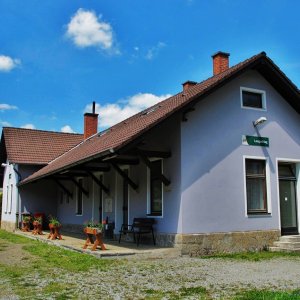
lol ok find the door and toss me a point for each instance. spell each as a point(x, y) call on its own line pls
point(125, 199)
point(288, 199)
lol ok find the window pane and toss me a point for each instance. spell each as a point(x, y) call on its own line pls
point(156, 196)
point(255, 167)
point(286, 170)
point(256, 185)
point(79, 199)
point(252, 99)
point(156, 187)
point(256, 194)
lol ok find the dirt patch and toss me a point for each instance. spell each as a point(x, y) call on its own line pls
point(13, 254)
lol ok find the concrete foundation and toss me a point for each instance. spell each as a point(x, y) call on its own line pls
point(223, 242)
point(8, 226)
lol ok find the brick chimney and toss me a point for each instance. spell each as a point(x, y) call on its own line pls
point(220, 62)
point(186, 85)
point(90, 123)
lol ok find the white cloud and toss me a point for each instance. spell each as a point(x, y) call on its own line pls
point(87, 30)
point(112, 113)
point(67, 129)
point(5, 124)
point(4, 106)
point(153, 52)
point(7, 63)
point(28, 126)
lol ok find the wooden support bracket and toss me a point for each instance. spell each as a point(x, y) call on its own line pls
point(124, 175)
point(81, 188)
point(99, 182)
point(147, 162)
point(63, 188)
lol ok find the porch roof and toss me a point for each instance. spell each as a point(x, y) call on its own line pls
point(122, 134)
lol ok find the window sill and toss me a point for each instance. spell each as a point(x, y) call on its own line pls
point(259, 214)
point(155, 215)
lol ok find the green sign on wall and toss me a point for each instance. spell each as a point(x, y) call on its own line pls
point(255, 141)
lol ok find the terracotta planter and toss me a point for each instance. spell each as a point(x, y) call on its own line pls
point(37, 228)
point(25, 226)
point(54, 232)
point(91, 234)
point(91, 230)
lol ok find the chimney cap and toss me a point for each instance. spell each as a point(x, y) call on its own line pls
point(189, 82)
point(221, 53)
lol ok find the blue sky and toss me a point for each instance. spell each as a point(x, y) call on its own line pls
point(57, 56)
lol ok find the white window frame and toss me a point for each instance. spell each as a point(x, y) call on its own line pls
point(11, 198)
point(256, 91)
point(6, 199)
point(149, 191)
point(82, 195)
point(268, 187)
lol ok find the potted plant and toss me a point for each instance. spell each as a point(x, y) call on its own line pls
point(54, 226)
point(92, 227)
point(94, 230)
point(26, 223)
point(37, 225)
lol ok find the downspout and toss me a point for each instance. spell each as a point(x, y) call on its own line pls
point(18, 213)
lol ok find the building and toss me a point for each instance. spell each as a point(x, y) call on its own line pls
point(216, 165)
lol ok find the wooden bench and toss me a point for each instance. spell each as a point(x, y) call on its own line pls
point(140, 226)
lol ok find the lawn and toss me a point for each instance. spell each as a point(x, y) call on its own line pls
point(31, 269)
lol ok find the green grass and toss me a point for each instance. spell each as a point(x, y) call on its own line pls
point(183, 293)
point(66, 259)
point(56, 257)
point(252, 256)
point(268, 295)
point(13, 238)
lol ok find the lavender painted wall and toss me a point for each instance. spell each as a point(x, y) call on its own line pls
point(212, 157)
point(165, 137)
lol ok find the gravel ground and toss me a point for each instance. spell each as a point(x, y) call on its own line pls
point(157, 277)
point(139, 277)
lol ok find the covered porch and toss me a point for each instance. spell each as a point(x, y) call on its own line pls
point(75, 242)
point(139, 180)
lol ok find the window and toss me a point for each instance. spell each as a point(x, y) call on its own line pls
point(7, 195)
point(252, 98)
point(79, 199)
point(256, 186)
point(11, 198)
point(155, 189)
point(62, 196)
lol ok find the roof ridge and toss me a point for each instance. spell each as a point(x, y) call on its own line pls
point(41, 130)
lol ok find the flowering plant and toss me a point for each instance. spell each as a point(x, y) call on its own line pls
point(26, 219)
point(92, 224)
point(54, 221)
point(38, 220)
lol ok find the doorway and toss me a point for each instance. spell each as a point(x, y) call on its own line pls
point(288, 198)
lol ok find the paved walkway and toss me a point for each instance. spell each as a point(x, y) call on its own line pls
point(75, 242)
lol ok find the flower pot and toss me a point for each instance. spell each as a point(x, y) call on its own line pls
point(93, 233)
point(54, 232)
point(37, 228)
point(25, 226)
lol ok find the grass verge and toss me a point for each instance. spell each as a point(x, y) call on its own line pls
point(268, 295)
point(252, 256)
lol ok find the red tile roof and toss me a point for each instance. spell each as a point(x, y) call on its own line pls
point(30, 146)
point(126, 131)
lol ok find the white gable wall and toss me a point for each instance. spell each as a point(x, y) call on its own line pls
point(10, 197)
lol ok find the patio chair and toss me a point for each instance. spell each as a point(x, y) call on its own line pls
point(140, 226)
